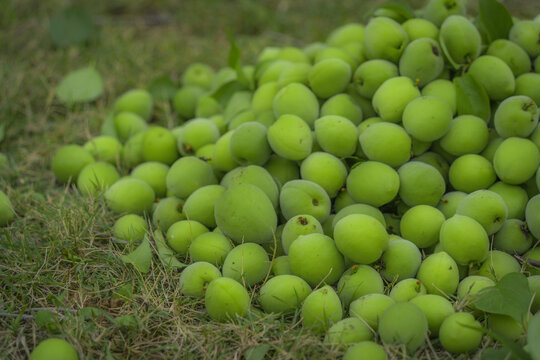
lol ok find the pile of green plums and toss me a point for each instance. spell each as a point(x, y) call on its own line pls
point(349, 186)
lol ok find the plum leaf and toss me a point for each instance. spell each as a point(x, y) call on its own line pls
point(141, 257)
point(257, 352)
point(471, 97)
point(495, 19)
point(82, 85)
point(533, 334)
point(166, 255)
point(73, 25)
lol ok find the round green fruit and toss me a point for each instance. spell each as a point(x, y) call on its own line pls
point(283, 294)
point(226, 300)
point(54, 349)
point(404, 324)
point(458, 334)
point(247, 263)
point(321, 309)
point(196, 277)
point(131, 196)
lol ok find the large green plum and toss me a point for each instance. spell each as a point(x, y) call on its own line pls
point(137, 101)
point(159, 144)
point(283, 170)
point(459, 333)
point(421, 225)
point(343, 105)
point(247, 263)
point(226, 299)
point(436, 308)
point(361, 237)
point(188, 174)
point(6, 209)
point(391, 98)
point(532, 215)
point(516, 160)
point(486, 207)
point(131, 196)
point(417, 28)
point(526, 33)
point(198, 74)
point(471, 172)
point(385, 39)
point(347, 332)
point(427, 118)
point(329, 77)
point(290, 137)
point(496, 265)
point(404, 324)
point(443, 89)
point(128, 124)
point(497, 87)
point(336, 135)
point(210, 247)
point(514, 196)
point(365, 350)
point(304, 197)
point(358, 281)
point(195, 134)
point(528, 84)
point(439, 273)
point(315, 258)
point(371, 74)
point(105, 148)
point(185, 100)
point(386, 142)
point(373, 183)
point(299, 225)
point(182, 233)
point(131, 228)
point(326, 170)
point(321, 309)
point(167, 212)
point(422, 61)
point(460, 38)
point(254, 175)
point(249, 144)
point(199, 206)
point(154, 174)
point(436, 11)
point(420, 184)
point(245, 214)
point(54, 349)
point(196, 277)
point(467, 134)
point(512, 54)
point(360, 209)
point(516, 116)
point(283, 294)
point(296, 99)
point(464, 239)
point(369, 308)
point(407, 289)
point(97, 176)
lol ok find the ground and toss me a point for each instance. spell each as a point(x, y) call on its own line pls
point(57, 256)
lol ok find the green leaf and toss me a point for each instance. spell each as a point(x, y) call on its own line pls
point(44, 318)
point(257, 352)
point(141, 257)
point(2, 132)
point(495, 19)
point(90, 312)
point(81, 85)
point(108, 128)
point(471, 97)
point(162, 88)
point(74, 25)
point(235, 62)
point(447, 54)
point(511, 296)
point(226, 91)
point(166, 255)
point(533, 337)
point(495, 354)
point(127, 321)
point(397, 10)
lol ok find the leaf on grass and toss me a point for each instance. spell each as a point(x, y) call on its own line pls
point(471, 97)
point(166, 255)
point(235, 62)
point(74, 25)
point(127, 321)
point(44, 318)
point(257, 352)
point(495, 19)
point(495, 354)
point(226, 91)
point(141, 257)
point(533, 337)
point(90, 312)
point(162, 88)
point(511, 296)
point(81, 85)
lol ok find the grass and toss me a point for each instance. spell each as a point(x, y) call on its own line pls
point(60, 272)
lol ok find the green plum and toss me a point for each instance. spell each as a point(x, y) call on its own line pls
point(439, 273)
point(460, 39)
point(304, 197)
point(528, 84)
point(343, 105)
point(526, 33)
point(449, 203)
point(360, 209)
point(427, 118)
point(420, 184)
point(283, 294)
point(459, 333)
point(222, 156)
point(196, 277)
point(198, 74)
point(371, 74)
point(471, 172)
point(326, 170)
point(6, 209)
point(514, 196)
point(347, 332)
point(486, 207)
point(137, 101)
point(299, 225)
point(516, 160)
point(195, 134)
point(467, 134)
point(369, 308)
point(167, 212)
point(392, 97)
point(283, 170)
point(131, 228)
point(497, 87)
point(422, 61)
point(373, 183)
point(247, 263)
point(129, 195)
point(199, 206)
point(386, 142)
point(358, 281)
point(464, 239)
point(96, 177)
point(105, 148)
point(321, 309)
point(226, 300)
point(421, 225)
point(417, 28)
point(128, 124)
point(154, 174)
point(54, 349)
point(496, 265)
point(407, 289)
point(159, 144)
point(336, 135)
point(249, 144)
point(516, 116)
point(436, 11)
point(365, 350)
point(385, 39)
point(182, 233)
point(436, 309)
point(210, 247)
point(296, 99)
point(290, 137)
point(185, 100)
point(512, 54)
point(532, 215)
point(254, 175)
point(405, 324)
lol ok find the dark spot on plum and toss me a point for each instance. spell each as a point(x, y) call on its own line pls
point(315, 202)
point(435, 50)
point(302, 220)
